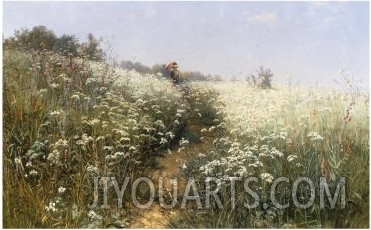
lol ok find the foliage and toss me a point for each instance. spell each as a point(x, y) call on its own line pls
point(91, 49)
point(159, 70)
point(287, 132)
point(67, 120)
point(67, 45)
point(40, 38)
point(37, 39)
point(263, 79)
point(137, 66)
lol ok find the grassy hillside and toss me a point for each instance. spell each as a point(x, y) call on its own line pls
point(67, 121)
point(292, 133)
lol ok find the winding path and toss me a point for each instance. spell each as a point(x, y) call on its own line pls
point(170, 166)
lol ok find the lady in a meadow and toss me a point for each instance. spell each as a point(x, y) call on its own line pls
point(174, 72)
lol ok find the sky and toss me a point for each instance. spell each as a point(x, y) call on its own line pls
point(307, 42)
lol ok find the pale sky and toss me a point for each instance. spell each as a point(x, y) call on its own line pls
point(311, 41)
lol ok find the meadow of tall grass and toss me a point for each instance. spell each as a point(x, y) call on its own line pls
point(67, 120)
point(286, 132)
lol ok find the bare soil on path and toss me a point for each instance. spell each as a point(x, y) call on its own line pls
point(170, 167)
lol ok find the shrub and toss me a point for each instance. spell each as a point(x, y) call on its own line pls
point(262, 80)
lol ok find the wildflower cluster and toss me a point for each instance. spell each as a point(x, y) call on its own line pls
point(84, 118)
point(275, 133)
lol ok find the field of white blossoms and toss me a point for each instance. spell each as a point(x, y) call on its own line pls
point(67, 121)
point(290, 132)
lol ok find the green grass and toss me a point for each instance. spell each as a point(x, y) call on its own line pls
point(67, 120)
point(292, 133)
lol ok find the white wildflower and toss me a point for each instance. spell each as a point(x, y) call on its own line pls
point(108, 148)
point(80, 142)
point(17, 160)
point(55, 113)
point(183, 142)
point(61, 143)
point(314, 136)
point(51, 207)
point(159, 123)
point(283, 135)
point(61, 189)
point(42, 91)
point(54, 157)
point(170, 134)
point(124, 139)
point(94, 121)
point(267, 177)
point(274, 151)
point(54, 85)
point(91, 169)
point(92, 215)
point(291, 158)
point(163, 141)
point(75, 97)
point(86, 139)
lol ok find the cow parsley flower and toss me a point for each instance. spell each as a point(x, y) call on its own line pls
point(267, 177)
point(291, 158)
point(75, 97)
point(314, 136)
point(54, 157)
point(17, 160)
point(61, 189)
point(170, 134)
point(51, 207)
point(54, 85)
point(55, 113)
point(163, 141)
point(211, 128)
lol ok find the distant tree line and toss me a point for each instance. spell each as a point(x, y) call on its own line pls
point(41, 38)
point(159, 70)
